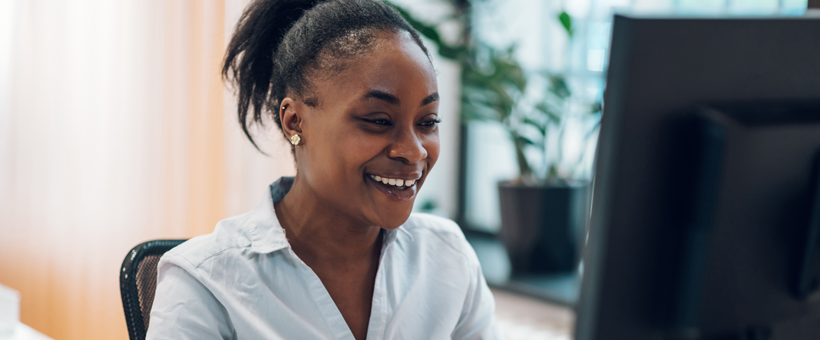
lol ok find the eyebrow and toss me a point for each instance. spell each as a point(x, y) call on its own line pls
point(383, 96)
point(393, 100)
point(431, 98)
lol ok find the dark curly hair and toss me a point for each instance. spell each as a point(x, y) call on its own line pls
point(279, 45)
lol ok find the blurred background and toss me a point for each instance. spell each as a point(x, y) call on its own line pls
point(115, 128)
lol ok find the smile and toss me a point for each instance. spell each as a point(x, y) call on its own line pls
point(396, 182)
point(396, 189)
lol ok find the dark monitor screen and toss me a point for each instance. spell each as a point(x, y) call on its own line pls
point(706, 190)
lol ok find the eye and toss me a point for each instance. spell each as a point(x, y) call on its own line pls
point(431, 122)
point(382, 122)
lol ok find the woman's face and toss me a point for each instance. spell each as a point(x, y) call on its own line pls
point(376, 122)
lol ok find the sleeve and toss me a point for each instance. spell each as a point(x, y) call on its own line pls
point(477, 320)
point(185, 309)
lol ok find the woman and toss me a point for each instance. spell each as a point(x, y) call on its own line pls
point(333, 253)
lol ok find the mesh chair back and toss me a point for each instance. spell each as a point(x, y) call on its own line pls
point(138, 282)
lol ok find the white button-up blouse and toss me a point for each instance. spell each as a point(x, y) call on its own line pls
point(243, 281)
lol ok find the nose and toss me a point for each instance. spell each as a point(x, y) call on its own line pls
point(407, 147)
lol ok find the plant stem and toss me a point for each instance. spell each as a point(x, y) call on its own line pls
point(523, 165)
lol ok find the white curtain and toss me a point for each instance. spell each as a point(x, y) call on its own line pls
point(115, 128)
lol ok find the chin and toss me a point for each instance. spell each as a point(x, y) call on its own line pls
point(394, 219)
point(392, 201)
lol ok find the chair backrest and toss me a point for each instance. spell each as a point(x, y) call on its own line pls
point(138, 282)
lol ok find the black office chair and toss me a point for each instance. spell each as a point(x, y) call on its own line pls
point(138, 282)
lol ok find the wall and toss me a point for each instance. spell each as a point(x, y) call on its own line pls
point(114, 129)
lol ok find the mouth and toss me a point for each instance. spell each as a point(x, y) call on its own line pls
point(397, 188)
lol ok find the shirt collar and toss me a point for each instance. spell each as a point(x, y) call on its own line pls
point(266, 233)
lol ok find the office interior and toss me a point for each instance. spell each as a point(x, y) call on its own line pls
point(116, 128)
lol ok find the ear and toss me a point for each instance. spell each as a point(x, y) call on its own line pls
point(290, 117)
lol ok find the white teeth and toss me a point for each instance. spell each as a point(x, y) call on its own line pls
point(394, 181)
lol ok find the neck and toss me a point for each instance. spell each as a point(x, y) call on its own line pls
point(319, 234)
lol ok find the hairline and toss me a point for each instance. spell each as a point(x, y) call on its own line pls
point(381, 34)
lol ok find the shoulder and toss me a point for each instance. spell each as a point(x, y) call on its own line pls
point(441, 233)
point(230, 235)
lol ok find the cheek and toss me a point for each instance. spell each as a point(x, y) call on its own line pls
point(328, 156)
point(433, 147)
point(366, 145)
point(347, 150)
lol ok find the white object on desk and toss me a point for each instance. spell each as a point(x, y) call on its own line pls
point(10, 326)
point(9, 311)
point(23, 332)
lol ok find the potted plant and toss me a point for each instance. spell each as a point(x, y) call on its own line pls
point(542, 213)
point(544, 208)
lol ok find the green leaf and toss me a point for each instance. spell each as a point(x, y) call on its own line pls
point(552, 113)
point(521, 140)
point(542, 128)
point(566, 22)
point(559, 87)
point(430, 32)
point(596, 107)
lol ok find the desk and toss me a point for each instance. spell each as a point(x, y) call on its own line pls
point(523, 318)
point(558, 289)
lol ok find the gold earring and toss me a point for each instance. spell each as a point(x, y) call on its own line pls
point(296, 139)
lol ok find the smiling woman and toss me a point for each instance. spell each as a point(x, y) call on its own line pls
point(334, 252)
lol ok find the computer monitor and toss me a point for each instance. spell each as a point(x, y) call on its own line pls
point(706, 183)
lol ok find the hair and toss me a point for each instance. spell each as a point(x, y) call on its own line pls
point(280, 45)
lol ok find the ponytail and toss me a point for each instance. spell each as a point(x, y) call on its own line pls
point(249, 57)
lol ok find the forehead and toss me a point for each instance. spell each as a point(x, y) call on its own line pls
point(395, 64)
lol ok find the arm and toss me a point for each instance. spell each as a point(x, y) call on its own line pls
point(477, 319)
point(185, 309)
